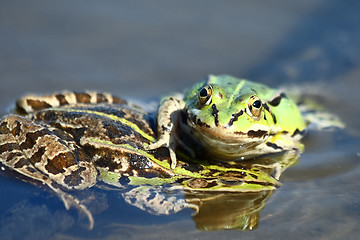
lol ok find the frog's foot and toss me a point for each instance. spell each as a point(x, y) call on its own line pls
point(169, 143)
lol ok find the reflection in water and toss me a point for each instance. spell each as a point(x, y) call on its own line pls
point(240, 211)
point(229, 206)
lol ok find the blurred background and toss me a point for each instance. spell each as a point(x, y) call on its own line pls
point(144, 49)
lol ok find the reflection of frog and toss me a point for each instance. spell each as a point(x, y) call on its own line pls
point(219, 211)
point(68, 141)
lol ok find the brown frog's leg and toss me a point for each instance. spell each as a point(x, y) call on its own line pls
point(37, 154)
point(31, 103)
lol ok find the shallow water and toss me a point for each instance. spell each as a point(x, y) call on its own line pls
point(142, 50)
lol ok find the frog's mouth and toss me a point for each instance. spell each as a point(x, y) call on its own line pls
point(220, 143)
point(226, 133)
point(223, 134)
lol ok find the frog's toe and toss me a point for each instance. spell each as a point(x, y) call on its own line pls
point(169, 146)
point(158, 144)
point(172, 158)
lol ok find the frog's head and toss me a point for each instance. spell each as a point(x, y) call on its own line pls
point(224, 109)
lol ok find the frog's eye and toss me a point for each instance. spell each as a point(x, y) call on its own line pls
point(254, 107)
point(204, 95)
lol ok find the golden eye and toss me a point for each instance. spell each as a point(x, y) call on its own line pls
point(254, 107)
point(204, 95)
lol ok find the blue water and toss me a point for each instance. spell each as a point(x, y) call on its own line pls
point(142, 50)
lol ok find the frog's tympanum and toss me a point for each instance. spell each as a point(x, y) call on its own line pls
point(219, 149)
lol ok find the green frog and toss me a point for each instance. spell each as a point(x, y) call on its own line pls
point(232, 119)
point(223, 135)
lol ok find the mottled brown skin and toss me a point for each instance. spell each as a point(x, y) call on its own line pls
point(55, 143)
point(52, 147)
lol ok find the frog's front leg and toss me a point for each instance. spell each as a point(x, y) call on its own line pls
point(167, 118)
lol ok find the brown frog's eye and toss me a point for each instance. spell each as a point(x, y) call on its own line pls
point(204, 95)
point(254, 107)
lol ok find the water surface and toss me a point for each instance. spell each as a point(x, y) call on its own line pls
point(142, 50)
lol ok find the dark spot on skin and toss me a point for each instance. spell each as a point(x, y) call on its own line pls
point(59, 162)
point(61, 99)
point(65, 134)
point(31, 169)
point(13, 155)
point(106, 157)
point(274, 118)
point(31, 138)
point(193, 167)
point(266, 107)
point(298, 132)
point(3, 128)
point(256, 134)
point(253, 176)
point(21, 162)
point(118, 100)
point(198, 183)
point(8, 147)
point(37, 104)
point(265, 117)
point(235, 117)
point(239, 133)
point(82, 97)
point(100, 98)
point(276, 101)
point(215, 114)
point(36, 157)
point(273, 145)
point(201, 183)
point(220, 96)
point(16, 130)
point(74, 179)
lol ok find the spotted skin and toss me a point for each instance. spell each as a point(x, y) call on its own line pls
point(64, 148)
